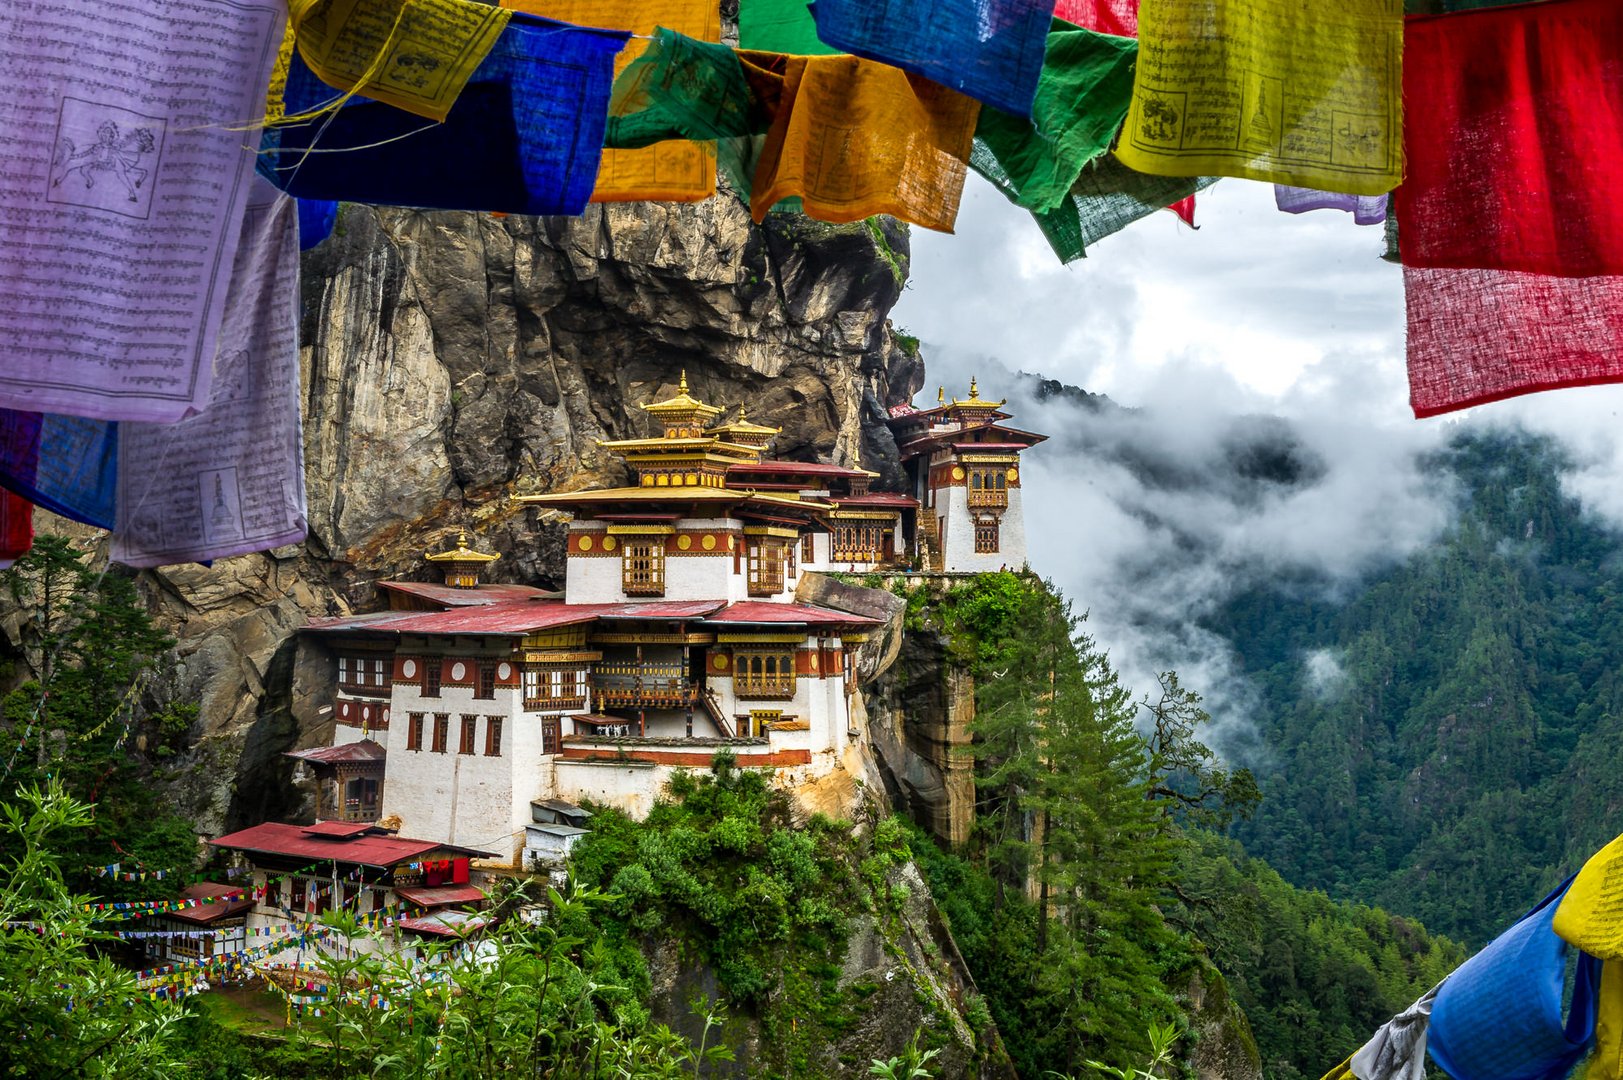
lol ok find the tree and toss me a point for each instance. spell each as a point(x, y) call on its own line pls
point(1185, 775)
point(92, 646)
point(65, 1011)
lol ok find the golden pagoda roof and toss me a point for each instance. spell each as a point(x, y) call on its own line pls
point(670, 494)
point(742, 426)
point(461, 553)
point(974, 400)
point(683, 403)
point(695, 446)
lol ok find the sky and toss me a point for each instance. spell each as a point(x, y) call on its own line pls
point(1260, 337)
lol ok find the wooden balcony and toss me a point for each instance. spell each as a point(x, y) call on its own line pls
point(640, 686)
point(989, 498)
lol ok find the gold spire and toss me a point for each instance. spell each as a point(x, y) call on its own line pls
point(682, 387)
point(941, 395)
point(462, 564)
point(974, 392)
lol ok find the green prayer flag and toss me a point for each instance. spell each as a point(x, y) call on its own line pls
point(1082, 98)
point(782, 26)
point(1107, 198)
point(681, 88)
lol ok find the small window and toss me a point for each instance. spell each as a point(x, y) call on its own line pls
point(470, 727)
point(808, 548)
point(442, 731)
point(431, 676)
point(986, 537)
point(487, 680)
point(642, 567)
point(493, 736)
point(414, 732)
point(789, 559)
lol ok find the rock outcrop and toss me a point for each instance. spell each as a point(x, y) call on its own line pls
point(451, 360)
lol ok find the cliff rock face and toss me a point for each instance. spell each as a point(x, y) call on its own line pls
point(452, 360)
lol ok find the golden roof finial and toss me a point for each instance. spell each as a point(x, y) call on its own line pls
point(743, 413)
point(682, 387)
point(974, 392)
point(941, 395)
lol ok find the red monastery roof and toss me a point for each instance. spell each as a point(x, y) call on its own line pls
point(513, 618)
point(203, 914)
point(878, 498)
point(364, 750)
point(449, 596)
point(795, 468)
point(442, 895)
point(372, 848)
point(760, 613)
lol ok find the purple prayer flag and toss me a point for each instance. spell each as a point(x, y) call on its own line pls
point(1365, 209)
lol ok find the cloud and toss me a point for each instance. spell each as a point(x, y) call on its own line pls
point(1325, 676)
point(1263, 432)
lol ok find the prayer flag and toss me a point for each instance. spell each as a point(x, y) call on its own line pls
point(1185, 209)
point(1591, 914)
point(413, 54)
point(1398, 1050)
point(782, 26)
point(231, 479)
point(16, 528)
point(524, 136)
point(991, 50)
point(316, 219)
point(65, 464)
point(1511, 228)
point(1498, 1016)
point(853, 138)
point(123, 193)
point(1106, 16)
point(1277, 90)
point(1365, 209)
point(1086, 84)
point(671, 171)
point(1107, 198)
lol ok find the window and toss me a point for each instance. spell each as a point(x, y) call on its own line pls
point(764, 673)
point(365, 672)
point(554, 687)
point(493, 736)
point(858, 542)
point(361, 799)
point(765, 568)
point(414, 731)
point(470, 727)
point(808, 548)
point(642, 567)
point(789, 559)
point(986, 539)
point(431, 676)
point(442, 731)
point(486, 687)
point(551, 735)
point(988, 486)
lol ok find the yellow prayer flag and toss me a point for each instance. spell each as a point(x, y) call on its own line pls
point(1341, 1072)
point(1308, 94)
point(670, 171)
point(416, 55)
point(1591, 914)
point(1605, 1062)
point(274, 109)
point(853, 138)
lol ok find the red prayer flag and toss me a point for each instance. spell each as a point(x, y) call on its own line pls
point(1118, 17)
point(1185, 209)
point(16, 527)
point(1510, 230)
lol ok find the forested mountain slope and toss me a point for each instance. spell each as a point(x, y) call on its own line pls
point(1446, 740)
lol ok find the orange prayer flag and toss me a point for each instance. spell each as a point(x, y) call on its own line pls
point(853, 138)
point(671, 171)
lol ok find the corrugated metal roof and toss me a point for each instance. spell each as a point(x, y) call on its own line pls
point(364, 750)
point(446, 923)
point(234, 904)
point(760, 612)
point(294, 841)
point(339, 828)
point(450, 596)
point(511, 619)
point(442, 895)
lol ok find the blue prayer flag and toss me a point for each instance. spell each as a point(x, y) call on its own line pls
point(1498, 1016)
point(524, 137)
point(316, 219)
point(991, 50)
point(65, 464)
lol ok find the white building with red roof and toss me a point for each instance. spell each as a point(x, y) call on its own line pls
point(678, 635)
